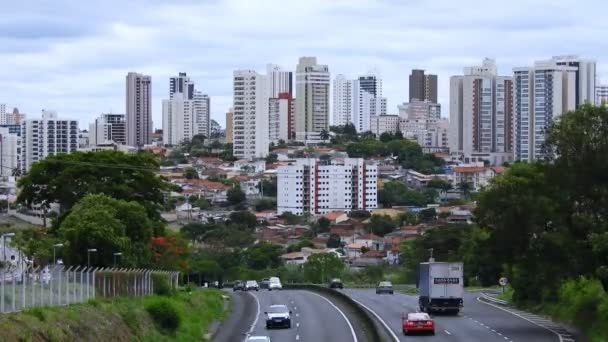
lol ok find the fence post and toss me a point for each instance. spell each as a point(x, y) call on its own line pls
point(13, 297)
point(23, 287)
point(82, 284)
point(67, 286)
point(94, 271)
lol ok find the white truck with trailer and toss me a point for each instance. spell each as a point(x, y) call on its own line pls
point(441, 287)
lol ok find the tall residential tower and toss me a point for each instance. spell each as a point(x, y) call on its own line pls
point(312, 99)
point(139, 109)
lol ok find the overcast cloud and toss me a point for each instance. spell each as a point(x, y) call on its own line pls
point(73, 56)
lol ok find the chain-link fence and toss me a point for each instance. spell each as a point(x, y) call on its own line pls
point(53, 286)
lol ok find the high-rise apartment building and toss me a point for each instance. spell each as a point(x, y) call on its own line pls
point(229, 127)
point(108, 128)
point(46, 137)
point(187, 111)
point(10, 152)
point(601, 94)
point(181, 84)
point(357, 101)
point(585, 77)
point(202, 113)
point(420, 110)
point(367, 101)
point(342, 100)
point(384, 123)
point(250, 115)
point(281, 115)
point(540, 95)
point(423, 87)
point(178, 119)
point(481, 104)
point(312, 99)
point(10, 118)
point(139, 109)
point(317, 187)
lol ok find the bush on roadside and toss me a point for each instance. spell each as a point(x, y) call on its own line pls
point(161, 285)
point(164, 313)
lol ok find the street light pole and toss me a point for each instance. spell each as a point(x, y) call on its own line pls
point(115, 255)
point(89, 251)
point(55, 246)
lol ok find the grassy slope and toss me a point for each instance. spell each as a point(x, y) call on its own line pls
point(118, 320)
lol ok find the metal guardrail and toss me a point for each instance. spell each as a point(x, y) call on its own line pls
point(493, 299)
point(58, 285)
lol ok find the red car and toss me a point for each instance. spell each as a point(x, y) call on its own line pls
point(418, 322)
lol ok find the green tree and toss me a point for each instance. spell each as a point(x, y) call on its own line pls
point(427, 215)
point(381, 225)
point(291, 218)
point(465, 188)
point(271, 158)
point(263, 255)
point(244, 217)
point(296, 247)
point(196, 231)
point(265, 204)
point(439, 184)
point(67, 178)
point(323, 224)
point(321, 267)
point(324, 134)
point(109, 225)
point(269, 187)
point(386, 137)
point(190, 173)
point(236, 196)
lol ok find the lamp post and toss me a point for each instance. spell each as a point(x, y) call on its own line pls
point(116, 255)
point(55, 246)
point(89, 251)
point(4, 236)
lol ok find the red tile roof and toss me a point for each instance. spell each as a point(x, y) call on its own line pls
point(370, 236)
point(341, 231)
point(469, 169)
point(499, 169)
point(333, 215)
point(373, 254)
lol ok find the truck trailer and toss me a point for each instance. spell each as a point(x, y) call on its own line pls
point(441, 287)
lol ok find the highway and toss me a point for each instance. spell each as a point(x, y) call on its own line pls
point(477, 322)
point(313, 318)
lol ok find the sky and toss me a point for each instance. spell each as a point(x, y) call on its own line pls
point(73, 56)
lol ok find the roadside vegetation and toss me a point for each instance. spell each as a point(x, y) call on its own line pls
point(182, 316)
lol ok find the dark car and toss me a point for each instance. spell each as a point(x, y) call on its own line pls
point(238, 285)
point(264, 283)
point(384, 287)
point(336, 284)
point(278, 316)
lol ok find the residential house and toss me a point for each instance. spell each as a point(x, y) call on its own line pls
point(354, 250)
point(299, 258)
point(393, 255)
point(347, 236)
point(250, 186)
point(214, 192)
point(371, 241)
point(461, 216)
point(336, 216)
point(476, 174)
point(369, 258)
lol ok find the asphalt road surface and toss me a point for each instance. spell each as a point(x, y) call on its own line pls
point(314, 319)
point(476, 322)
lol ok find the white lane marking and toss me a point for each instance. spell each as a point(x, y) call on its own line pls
point(352, 330)
point(379, 319)
point(506, 338)
point(561, 339)
point(295, 308)
point(297, 337)
point(257, 315)
point(297, 315)
point(499, 334)
point(493, 330)
point(447, 332)
point(297, 325)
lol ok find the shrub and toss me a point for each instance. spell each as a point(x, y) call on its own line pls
point(164, 313)
point(38, 313)
point(161, 285)
point(579, 301)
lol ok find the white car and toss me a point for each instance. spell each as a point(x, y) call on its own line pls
point(258, 339)
point(274, 283)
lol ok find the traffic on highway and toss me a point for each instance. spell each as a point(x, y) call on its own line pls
point(304, 315)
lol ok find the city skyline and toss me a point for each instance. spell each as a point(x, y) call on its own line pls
point(55, 60)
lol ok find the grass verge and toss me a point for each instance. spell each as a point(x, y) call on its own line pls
point(125, 319)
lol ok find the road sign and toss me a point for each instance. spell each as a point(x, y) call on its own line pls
point(503, 281)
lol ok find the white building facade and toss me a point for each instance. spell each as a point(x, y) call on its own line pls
point(139, 109)
point(316, 187)
point(342, 100)
point(601, 94)
point(107, 129)
point(540, 95)
point(384, 123)
point(280, 102)
point(10, 152)
point(46, 137)
point(312, 99)
point(481, 105)
point(178, 119)
point(250, 115)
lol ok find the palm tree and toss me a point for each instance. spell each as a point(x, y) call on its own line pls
point(324, 134)
point(465, 188)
